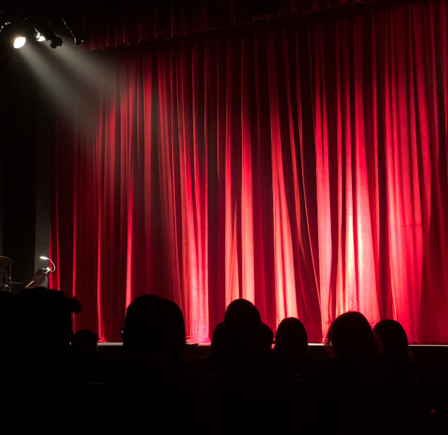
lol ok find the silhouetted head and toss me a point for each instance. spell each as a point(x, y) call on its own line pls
point(86, 341)
point(146, 326)
point(219, 338)
point(393, 338)
point(265, 337)
point(242, 324)
point(350, 337)
point(291, 338)
point(174, 346)
point(44, 321)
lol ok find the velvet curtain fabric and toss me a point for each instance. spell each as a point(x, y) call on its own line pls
point(299, 163)
point(118, 23)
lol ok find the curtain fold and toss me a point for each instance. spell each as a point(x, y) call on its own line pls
point(302, 165)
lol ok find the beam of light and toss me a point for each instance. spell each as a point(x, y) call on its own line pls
point(56, 84)
point(40, 37)
point(74, 106)
point(19, 42)
point(95, 72)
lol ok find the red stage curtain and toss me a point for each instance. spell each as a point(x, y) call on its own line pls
point(299, 163)
point(124, 22)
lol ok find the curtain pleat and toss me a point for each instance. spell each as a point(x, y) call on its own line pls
point(120, 23)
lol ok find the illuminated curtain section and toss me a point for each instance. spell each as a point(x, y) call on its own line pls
point(347, 167)
point(299, 163)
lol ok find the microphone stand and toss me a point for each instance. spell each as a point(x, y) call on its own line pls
point(48, 270)
point(40, 278)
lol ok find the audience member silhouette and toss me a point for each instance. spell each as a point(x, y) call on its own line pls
point(85, 341)
point(350, 338)
point(233, 338)
point(291, 340)
point(247, 385)
point(219, 339)
point(84, 355)
point(354, 403)
point(145, 393)
point(43, 332)
point(44, 324)
point(16, 377)
point(393, 339)
point(145, 329)
point(201, 364)
point(242, 326)
point(404, 382)
point(265, 337)
point(173, 346)
point(250, 388)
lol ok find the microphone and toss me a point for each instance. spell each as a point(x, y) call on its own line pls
point(51, 261)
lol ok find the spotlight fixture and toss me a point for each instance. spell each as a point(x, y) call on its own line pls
point(45, 32)
point(15, 32)
point(19, 42)
point(55, 42)
point(23, 23)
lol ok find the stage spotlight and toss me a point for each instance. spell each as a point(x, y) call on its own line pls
point(55, 42)
point(40, 37)
point(14, 33)
point(47, 33)
point(19, 42)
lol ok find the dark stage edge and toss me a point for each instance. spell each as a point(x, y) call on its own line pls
point(433, 357)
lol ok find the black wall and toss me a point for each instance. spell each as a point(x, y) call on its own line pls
point(26, 166)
